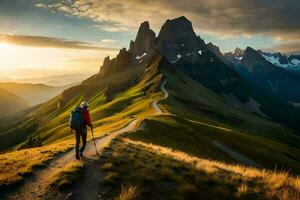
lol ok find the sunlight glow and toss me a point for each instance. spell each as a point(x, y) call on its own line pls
point(30, 62)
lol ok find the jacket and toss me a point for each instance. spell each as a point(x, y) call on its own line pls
point(87, 117)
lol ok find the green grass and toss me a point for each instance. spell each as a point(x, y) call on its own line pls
point(110, 106)
point(196, 138)
point(162, 173)
point(190, 100)
point(50, 124)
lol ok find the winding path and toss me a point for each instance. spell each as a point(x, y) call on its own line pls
point(154, 103)
point(235, 155)
point(35, 187)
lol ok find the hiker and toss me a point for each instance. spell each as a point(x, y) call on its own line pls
point(79, 120)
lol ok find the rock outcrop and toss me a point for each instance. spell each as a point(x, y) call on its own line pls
point(144, 41)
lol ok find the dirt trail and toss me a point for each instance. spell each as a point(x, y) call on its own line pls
point(154, 103)
point(235, 155)
point(36, 186)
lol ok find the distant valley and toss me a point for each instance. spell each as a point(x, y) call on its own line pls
point(33, 94)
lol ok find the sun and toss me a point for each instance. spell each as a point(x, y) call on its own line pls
point(4, 47)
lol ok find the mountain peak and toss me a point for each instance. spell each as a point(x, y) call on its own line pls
point(145, 25)
point(249, 49)
point(177, 37)
point(144, 41)
point(255, 62)
point(181, 19)
point(252, 54)
point(174, 28)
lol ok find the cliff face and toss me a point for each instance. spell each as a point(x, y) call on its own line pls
point(116, 64)
point(177, 37)
point(144, 41)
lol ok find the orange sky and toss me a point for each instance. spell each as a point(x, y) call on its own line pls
point(30, 62)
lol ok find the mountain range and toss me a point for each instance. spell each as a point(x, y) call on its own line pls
point(275, 74)
point(55, 80)
point(33, 94)
point(234, 108)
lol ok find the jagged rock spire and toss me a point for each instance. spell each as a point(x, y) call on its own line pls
point(144, 41)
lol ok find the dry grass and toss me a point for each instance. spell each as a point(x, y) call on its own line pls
point(169, 173)
point(242, 190)
point(67, 175)
point(110, 177)
point(15, 165)
point(107, 166)
point(128, 193)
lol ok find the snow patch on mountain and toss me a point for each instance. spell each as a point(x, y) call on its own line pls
point(139, 57)
point(295, 62)
point(275, 60)
point(178, 56)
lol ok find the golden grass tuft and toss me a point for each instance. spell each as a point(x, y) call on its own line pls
point(128, 193)
point(242, 190)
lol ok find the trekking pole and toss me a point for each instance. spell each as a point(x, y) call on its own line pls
point(94, 141)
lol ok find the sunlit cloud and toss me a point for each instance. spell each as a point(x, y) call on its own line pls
point(112, 27)
point(108, 41)
point(49, 42)
point(231, 17)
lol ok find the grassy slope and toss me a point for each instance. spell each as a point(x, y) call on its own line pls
point(17, 164)
point(199, 118)
point(149, 162)
point(52, 127)
point(192, 101)
point(198, 139)
point(161, 173)
point(11, 103)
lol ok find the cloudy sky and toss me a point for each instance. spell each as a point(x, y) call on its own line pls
point(53, 37)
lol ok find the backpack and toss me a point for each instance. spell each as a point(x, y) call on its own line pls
point(76, 121)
